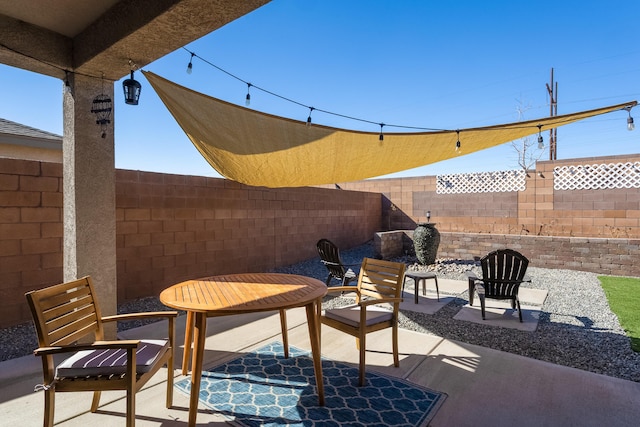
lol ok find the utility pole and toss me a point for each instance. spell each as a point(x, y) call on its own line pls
point(553, 132)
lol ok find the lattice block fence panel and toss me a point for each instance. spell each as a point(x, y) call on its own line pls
point(597, 177)
point(481, 182)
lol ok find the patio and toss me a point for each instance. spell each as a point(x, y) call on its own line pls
point(531, 391)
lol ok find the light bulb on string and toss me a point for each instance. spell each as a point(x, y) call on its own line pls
point(540, 138)
point(309, 118)
point(381, 137)
point(458, 141)
point(630, 125)
point(190, 66)
point(247, 101)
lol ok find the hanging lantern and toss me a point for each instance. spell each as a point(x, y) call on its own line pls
point(131, 90)
point(101, 107)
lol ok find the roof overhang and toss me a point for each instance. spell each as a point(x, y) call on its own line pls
point(100, 37)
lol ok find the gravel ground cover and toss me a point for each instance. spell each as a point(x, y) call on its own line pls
point(576, 326)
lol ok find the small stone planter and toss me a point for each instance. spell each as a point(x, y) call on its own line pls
point(426, 239)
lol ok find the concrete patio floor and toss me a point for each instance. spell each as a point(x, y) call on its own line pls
point(485, 387)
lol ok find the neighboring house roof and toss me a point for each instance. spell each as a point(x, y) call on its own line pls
point(13, 128)
point(19, 134)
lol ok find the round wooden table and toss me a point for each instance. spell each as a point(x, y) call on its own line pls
point(244, 293)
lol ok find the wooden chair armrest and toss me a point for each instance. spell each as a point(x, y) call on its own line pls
point(138, 316)
point(471, 275)
point(98, 345)
point(342, 289)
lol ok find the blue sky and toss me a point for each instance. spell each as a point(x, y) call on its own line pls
point(434, 64)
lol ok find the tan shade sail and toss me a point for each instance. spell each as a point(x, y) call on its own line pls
point(260, 149)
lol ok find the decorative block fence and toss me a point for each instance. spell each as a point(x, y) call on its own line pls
point(618, 257)
point(589, 197)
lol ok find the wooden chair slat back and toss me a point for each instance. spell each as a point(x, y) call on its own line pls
point(51, 300)
point(62, 308)
point(65, 313)
point(70, 323)
point(380, 279)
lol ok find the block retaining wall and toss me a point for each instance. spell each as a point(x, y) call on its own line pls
point(617, 257)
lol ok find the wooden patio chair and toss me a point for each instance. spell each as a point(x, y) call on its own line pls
point(503, 271)
point(379, 282)
point(67, 313)
point(330, 257)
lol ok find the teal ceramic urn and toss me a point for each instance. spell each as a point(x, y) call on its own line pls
point(426, 239)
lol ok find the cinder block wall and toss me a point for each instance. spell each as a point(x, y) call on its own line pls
point(618, 257)
point(170, 228)
point(30, 233)
point(173, 227)
point(539, 210)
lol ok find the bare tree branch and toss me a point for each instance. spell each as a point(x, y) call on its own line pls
point(528, 153)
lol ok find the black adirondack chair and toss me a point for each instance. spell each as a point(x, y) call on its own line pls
point(503, 271)
point(330, 257)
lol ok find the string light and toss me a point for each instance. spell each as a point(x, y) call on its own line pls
point(309, 118)
point(190, 66)
point(540, 138)
point(630, 125)
point(247, 101)
point(304, 105)
point(458, 141)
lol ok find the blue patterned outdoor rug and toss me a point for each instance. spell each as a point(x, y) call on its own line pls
point(265, 389)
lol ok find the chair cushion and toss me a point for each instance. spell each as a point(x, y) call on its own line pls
point(113, 361)
point(350, 315)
